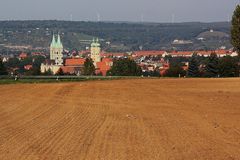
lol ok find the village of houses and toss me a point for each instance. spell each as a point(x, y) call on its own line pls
point(72, 64)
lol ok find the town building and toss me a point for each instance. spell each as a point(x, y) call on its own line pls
point(104, 66)
point(73, 66)
point(28, 67)
point(95, 51)
point(22, 56)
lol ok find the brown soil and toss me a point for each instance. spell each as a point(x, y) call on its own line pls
point(165, 119)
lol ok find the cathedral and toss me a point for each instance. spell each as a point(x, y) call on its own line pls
point(74, 65)
point(56, 56)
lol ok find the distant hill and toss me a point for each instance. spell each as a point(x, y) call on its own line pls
point(213, 35)
point(123, 36)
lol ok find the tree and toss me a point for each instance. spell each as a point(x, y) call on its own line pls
point(13, 62)
point(174, 71)
point(228, 67)
point(212, 66)
point(89, 68)
point(33, 71)
point(193, 69)
point(37, 61)
point(235, 29)
point(3, 70)
point(125, 67)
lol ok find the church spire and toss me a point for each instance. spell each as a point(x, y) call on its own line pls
point(53, 41)
point(59, 43)
point(58, 39)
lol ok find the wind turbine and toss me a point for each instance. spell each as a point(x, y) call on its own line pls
point(98, 17)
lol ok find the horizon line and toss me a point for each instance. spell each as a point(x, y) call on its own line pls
point(110, 21)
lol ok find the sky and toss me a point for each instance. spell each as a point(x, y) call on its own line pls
point(119, 10)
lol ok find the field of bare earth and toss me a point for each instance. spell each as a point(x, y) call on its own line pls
point(151, 119)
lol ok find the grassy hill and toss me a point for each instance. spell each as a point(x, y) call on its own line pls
point(213, 35)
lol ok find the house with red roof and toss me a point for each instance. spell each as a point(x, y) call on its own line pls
point(74, 62)
point(181, 54)
point(22, 56)
point(220, 53)
point(73, 66)
point(164, 68)
point(223, 52)
point(148, 53)
point(28, 67)
point(104, 66)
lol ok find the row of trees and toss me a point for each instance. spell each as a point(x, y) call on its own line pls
point(214, 67)
point(121, 67)
point(35, 61)
point(125, 67)
point(211, 67)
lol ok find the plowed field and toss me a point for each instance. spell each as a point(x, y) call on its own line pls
point(152, 119)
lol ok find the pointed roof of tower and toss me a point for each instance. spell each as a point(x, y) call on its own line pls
point(95, 42)
point(59, 43)
point(53, 43)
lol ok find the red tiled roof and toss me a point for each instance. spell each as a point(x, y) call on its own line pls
point(184, 53)
point(218, 52)
point(222, 51)
point(23, 55)
point(204, 52)
point(112, 54)
point(74, 62)
point(148, 53)
point(68, 69)
point(103, 67)
point(28, 67)
point(107, 60)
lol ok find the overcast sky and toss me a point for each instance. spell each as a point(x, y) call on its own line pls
point(118, 10)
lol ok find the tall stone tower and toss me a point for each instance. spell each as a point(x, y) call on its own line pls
point(56, 50)
point(95, 51)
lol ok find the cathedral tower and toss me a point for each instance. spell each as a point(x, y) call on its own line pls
point(56, 50)
point(95, 51)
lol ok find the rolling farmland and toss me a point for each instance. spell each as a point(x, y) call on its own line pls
point(167, 119)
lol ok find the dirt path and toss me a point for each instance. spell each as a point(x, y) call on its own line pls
point(168, 119)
